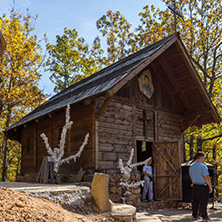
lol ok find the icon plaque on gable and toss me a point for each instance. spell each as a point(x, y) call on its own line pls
point(146, 84)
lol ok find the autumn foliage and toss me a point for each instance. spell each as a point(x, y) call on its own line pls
point(19, 76)
point(70, 59)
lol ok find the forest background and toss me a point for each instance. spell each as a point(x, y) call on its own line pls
point(71, 59)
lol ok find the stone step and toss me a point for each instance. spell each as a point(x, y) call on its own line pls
point(145, 217)
point(123, 213)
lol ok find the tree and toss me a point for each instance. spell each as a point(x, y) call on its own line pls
point(70, 59)
point(19, 77)
point(119, 37)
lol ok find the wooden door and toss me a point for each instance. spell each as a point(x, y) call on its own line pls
point(167, 171)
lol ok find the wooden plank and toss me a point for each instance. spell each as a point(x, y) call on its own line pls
point(107, 156)
point(156, 126)
point(167, 177)
point(166, 160)
point(107, 165)
point(103, 106)
point(165, 187)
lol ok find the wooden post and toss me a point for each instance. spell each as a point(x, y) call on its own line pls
point(134, 132)
point(155, 126)
point(94, 134)
point(96, 144)
point(35, 147)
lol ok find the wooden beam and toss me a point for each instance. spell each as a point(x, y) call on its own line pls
point(197, 79)
point(190, 122)
point(164, 188)
point(103, 106)
point(164, 84)
point(172, 167)
point(174, 82)
point(36, 121)
point(141, 66)
point(88, 101)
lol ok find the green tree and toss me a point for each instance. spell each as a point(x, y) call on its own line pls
point(119, 38)
point(70, 59)
point(19, 77)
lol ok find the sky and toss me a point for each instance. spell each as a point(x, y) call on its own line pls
point(55, 15)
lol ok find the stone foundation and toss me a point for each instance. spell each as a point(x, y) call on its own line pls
point(116, 191)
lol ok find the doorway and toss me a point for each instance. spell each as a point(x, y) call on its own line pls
point(144, 150)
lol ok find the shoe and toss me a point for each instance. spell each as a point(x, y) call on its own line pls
point(206, 219)
point(195, 218)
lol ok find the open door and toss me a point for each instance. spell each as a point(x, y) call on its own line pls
point(167, 171)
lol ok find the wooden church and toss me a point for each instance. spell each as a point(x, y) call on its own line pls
point(144, 101)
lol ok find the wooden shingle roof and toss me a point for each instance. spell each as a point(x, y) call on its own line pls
point(111, 79)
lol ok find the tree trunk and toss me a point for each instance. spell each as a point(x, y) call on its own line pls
point(5, 159)
point(215, 169)
point(184, 151)
point(199, 144)
point(18, 165)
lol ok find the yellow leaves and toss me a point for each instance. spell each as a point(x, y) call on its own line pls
point(19, 67)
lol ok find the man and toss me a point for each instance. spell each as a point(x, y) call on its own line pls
point(201, 187)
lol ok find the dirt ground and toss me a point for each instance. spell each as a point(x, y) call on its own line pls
point(17, 206)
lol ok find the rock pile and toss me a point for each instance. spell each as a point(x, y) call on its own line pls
point(116, 191)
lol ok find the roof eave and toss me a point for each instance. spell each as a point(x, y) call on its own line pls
point(196, 76)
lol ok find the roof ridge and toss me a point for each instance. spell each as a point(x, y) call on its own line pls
point(114, 64)
point(101, 81)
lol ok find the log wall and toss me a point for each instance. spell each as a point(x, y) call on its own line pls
point(33, 147)
point(123, 122)
point(28, 149)
point(114, 135)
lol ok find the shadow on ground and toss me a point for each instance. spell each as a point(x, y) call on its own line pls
point(182, 215)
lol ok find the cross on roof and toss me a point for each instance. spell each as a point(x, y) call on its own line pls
point(174, 10)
